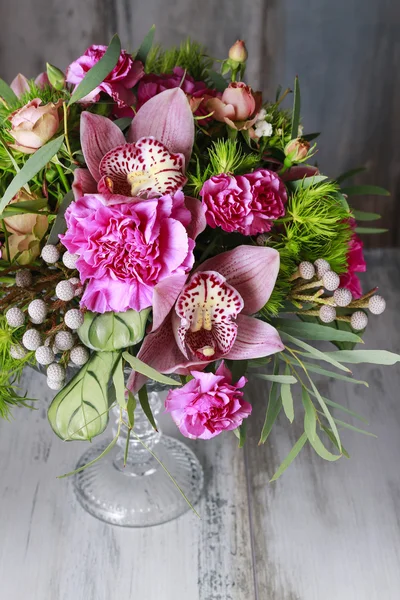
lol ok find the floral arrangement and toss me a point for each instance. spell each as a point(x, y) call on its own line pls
point(159, 214)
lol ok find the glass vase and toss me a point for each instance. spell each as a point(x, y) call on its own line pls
point(139, 492)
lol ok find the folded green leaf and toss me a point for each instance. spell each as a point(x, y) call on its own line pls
point(21, 208)
point(373, 230)
point(60, 225)
point(144, 403)
point(314, 353)
point(33, 165)
point(113, 331)
point(141, 367)
point(376, 357)
point(296, 110)
point(273, 408)
point(322, 451)
point(361, 215)
point(349, 174)
point(326, 412)
point(130, 409)
point(310, 415)
point(306, 182)
point(146, 45)
point(342, 408)
point(92, 462)
point(288, 379)
point(357, 429)
point(219, 82)
point(287, 398)
point(80, 410)
point(317, 369)
point(365, 190)
point(119, 383)
point(290, 457)
point(97, 74)
point(7, 93)
point(314, 331)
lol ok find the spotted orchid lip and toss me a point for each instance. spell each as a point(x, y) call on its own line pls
point(143, 168)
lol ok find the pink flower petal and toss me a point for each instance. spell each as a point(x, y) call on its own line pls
point(83, 183)
point(251, 270)
point(19, 85)
point(164, 297)
point(169, 119)
point(42, 80)
point(255, 339)
point(99, 135)
point(198, 222)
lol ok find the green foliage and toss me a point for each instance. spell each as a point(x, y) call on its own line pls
point(191, 56)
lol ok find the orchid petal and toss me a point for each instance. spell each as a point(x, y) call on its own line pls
point(255, 339)
point(198, 222)
point(144, 168)
point(42, 80)
point(83, 183)
point(299, 172)
point(99, 135)
point(164, 297)
point(251, 270)
point(20, 85)
point(168, 117)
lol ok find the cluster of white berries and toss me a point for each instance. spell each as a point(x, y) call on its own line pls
point(261, 127)
point(342, 297)
point(63, 341)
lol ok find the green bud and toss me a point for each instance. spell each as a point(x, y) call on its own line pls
point(113, 331)
point(56, 77)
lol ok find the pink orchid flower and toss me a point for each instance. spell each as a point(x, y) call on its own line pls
point(151, 163)
point(212, 318)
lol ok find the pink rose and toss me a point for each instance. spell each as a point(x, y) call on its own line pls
point(355, 264)
point(199, 93)
point(246, 203)
point(238, 106)
point(208, 404)
point(126, 250)
point(118, 84)
point(33, 125)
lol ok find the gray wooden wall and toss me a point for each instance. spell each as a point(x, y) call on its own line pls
point(346, 53)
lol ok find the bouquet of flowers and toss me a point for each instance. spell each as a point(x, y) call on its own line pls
point(159, 214)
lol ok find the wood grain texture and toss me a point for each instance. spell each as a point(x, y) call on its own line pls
point(346, 54)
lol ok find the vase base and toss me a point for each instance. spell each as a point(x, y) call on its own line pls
point(140, 494)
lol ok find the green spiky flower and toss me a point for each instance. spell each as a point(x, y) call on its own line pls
point(191, 56)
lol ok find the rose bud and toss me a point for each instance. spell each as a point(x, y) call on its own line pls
point(55, 76)
point(238, 106)
point(297, 150)
point(238, 52)
point(33, 125)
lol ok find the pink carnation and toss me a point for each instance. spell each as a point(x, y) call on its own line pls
point(247, 204)
point(125, 250)
point(151, 85)
point(208, 404)
point(118, 84)
point(355, 264)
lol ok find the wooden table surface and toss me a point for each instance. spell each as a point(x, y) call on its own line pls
point(322, 532)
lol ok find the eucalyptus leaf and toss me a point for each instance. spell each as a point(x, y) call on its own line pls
point(310, 415)
point(273, 408)
point(361, 215)
point(97, 74)
point(130, 409)
point(146, 45)
point(371, 230)
point(314, 353)
point(306, 182)
point(287, 399)
point(315, 331)
point(288, 379)
point(113, 331)
point(356, 429)
point(342, 408)
point(330, 435)
point(141, 367)
point(365, 190)
point(80, 410)
point(296, 110)
point(322, 451)
point(144, 403)
point(92, 462)
point(219, 82)
point(21, 208)
point(320, 371)
point(375, 357)
point(290, 457)
point(7, 93)
point(326, 412)
point(119, 383)
point(349, 174)
point(60, 225)
point(33, 165)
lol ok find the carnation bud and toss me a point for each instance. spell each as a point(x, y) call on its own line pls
point(297, 150)
point(238, 52)
point(56, 77)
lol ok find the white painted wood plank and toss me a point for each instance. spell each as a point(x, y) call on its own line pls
point(332, 530)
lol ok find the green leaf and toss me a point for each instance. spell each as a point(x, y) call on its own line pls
point(130, 409)
point(349, 174)
point(317, 354)
point(21, 208)
point(290, 457)
point(80, 410)
point(287, 398)
point(97, 74)
point(123, 123)
point(146, 45)
point(315, 331)
point(342, 408)
point(310, 415)
point(119, 383)
point(372, 230)
point(242, 433)
point(357, 429)
point(7, 93)
point(306, 182)
point(309, 137)
point(326, 412)
point(317, 369)
point(288, 379)
point(296, 110)
point(273, 408)
point(365, 190)
point(219, 82)
point(334, 442)
point(113, 331)
point(361, 215)
point(144, 403)
point(89, 464)
point(33, 165)
point(141, 367)
point(322, 451)
point(376, 357)
point(60, 225)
